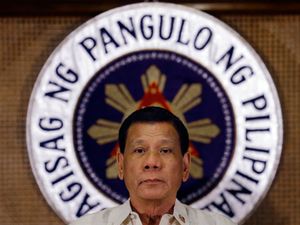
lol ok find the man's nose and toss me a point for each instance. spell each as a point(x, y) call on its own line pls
point(152, 161)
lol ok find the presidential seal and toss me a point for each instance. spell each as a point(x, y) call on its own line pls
point(158, 54)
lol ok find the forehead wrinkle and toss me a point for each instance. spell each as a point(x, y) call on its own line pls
point(137, 135)
point(163, 141)
point(137, 141)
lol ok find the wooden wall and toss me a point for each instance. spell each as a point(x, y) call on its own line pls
point(28, 38)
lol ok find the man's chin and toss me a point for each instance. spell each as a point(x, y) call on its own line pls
point(152, 195)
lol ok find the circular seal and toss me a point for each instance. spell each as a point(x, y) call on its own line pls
point(159, 54)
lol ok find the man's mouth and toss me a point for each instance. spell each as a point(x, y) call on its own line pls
point(151, 181)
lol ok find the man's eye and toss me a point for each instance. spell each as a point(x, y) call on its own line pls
point(165, 150)
point(139, 150)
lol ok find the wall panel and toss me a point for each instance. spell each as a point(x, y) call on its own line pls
point(27, 41)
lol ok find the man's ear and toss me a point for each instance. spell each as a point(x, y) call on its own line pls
point(186, 166)
point(120, 159)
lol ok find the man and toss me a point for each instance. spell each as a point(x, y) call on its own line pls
point(153, 161)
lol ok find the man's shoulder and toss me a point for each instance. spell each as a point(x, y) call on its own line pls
point(114, 215)
point(100, 217)
point(207, 217)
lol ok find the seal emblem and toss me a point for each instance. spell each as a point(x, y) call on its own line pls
point(146, 54)
point(159, 75)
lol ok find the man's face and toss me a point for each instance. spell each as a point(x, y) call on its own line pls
point(152, 165)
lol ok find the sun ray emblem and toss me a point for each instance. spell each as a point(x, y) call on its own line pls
point(189, 95)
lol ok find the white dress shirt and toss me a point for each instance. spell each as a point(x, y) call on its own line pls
point(182, 215)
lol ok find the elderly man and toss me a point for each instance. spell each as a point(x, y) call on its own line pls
point(153, 161)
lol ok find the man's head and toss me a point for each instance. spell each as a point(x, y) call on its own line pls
point(153, 160)
point(152, 114)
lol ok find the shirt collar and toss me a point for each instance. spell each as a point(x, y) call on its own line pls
point(125, 210)
point(118, 216)
point(180, 213)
